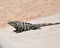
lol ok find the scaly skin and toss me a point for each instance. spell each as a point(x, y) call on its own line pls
point(24, 26)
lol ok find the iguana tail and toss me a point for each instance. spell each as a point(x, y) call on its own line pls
point(47, 24)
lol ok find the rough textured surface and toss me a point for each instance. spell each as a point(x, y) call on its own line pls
point(46, 37)
point(26, 10)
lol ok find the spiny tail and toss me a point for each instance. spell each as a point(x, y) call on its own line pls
point(47, 24)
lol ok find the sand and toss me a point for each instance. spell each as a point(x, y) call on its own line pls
point(26, 10)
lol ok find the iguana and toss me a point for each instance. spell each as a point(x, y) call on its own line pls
point(24, 26)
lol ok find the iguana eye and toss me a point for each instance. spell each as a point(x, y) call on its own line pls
point(12, 24)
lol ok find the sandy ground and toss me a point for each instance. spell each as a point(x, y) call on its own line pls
point(26, 10)
point(46, 37)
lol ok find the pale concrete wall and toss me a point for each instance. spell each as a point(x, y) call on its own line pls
point(45, 37)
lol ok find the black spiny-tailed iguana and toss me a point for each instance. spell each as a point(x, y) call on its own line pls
point(24, 26)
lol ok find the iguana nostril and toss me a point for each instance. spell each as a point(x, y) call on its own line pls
point(8, 23)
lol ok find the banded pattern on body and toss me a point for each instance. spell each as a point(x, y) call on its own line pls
point(24, 26)
point(21, 26)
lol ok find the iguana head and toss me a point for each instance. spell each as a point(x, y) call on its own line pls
point(13, 23)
